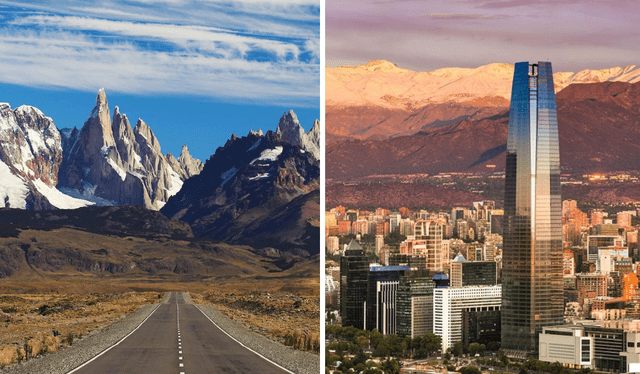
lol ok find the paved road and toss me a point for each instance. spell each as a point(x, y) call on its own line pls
point(178, 338)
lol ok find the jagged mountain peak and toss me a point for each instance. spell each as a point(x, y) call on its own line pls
point(101, 99)
point(191, 166)
point(290, 130)
point(125, 166)
point(184, 151)
point(149, 138)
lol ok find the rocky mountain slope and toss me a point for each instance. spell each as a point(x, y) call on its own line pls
point(378, 100)
point(30, 158)
point(109, 160)
point(599, 128)
point(246, 192)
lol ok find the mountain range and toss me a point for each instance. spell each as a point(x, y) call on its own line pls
point(599, 130)
point(259, 189)
point(379, 100)
point(106, 162)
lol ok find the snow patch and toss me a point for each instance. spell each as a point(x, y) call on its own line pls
point(260, 176)
point(36, 141)
point(255, 145)
point(176, 184)
point(121, 173)
point(137, 159)
point(269, 154)
point(12, 188)
point(24, 109)
point(59, 199)
point(227, 175)
point(87, 194)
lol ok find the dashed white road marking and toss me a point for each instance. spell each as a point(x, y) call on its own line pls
point(179, 338)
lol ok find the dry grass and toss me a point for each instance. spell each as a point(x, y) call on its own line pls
point(33, 324)
point(292, 319)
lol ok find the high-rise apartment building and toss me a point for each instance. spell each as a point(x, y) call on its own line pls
point(532, 253)
point(431, 233)
point(354, 271)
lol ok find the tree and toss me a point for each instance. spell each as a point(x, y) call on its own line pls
point(476, 348)
point(382, 349)
point(457, 349)
point(390, 367)
point(503, 358)
point(376, 337)
point(361, 358)
point(469, 370)
point(431, 343)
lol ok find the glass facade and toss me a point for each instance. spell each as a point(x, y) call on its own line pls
point(354, 270)
point(532, 249)
point(382, 297)
point(415, 304)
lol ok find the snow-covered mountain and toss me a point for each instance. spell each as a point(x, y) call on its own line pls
point(109, 160)
point(383, 84)
point(30, 157)
point(291, 132)
point(254, 181)
point(106, 162)
point(379, 100)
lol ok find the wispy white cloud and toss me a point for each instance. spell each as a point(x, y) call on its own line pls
point(177, 34)
point(231, 55)
point(57, 60)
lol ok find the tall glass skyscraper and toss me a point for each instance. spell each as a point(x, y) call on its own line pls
point(532, 295)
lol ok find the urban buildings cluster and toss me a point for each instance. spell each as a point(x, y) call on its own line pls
point(540, 277)
point(445, 276)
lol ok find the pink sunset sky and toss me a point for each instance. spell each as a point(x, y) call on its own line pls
point(424, 35)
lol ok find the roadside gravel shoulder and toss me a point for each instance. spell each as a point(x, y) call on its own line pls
point(297, 361)
point(83, 349)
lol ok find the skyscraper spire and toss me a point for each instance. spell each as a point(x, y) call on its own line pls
point(532, 254)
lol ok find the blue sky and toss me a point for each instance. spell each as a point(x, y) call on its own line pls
point(195, 71)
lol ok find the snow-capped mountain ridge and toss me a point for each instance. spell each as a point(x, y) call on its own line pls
point(381, 83)
point(129, 167)
point(250, 179)
point(30, 158)
point(105, 162)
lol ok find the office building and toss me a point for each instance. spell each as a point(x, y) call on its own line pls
point(532, 247)
point(430, 232)
point(382, 297)
point(354, 271)
point(415, 304)
point(472, 273)
point(450, 305)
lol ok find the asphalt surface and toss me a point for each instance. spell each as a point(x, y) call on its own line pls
point(178, 338)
